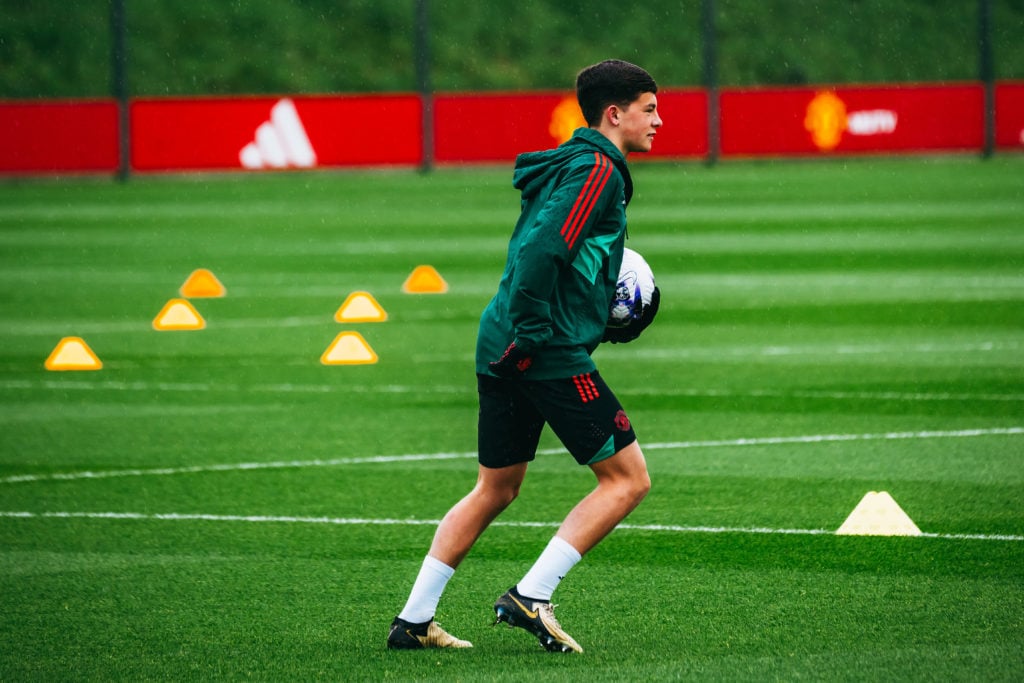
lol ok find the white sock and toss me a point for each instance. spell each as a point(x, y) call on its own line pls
point(426, 591)
point(549, 569)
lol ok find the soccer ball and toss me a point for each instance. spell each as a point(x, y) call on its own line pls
point(633, 290)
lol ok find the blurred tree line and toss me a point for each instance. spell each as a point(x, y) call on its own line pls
point(55, 48)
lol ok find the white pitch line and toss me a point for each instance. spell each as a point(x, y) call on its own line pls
point(377, 459)
point(719, 352)
point(230, 467)
point(362, 521)
point(831, 395)
point(829, 438)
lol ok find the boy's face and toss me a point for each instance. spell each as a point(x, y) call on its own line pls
point(639, 123)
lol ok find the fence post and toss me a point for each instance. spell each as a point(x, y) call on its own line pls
point(986, 73)
point(119, 85)
point(422, 30)
point(710, 76)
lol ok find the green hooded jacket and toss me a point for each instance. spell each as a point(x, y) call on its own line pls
point(563, 258)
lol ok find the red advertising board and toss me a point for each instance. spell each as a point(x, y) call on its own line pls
point(684, 133)
point(845, 120)
point(386, 129)
point(1010, 115)
point(275, 132)
point(495, 127)
point(59, 137)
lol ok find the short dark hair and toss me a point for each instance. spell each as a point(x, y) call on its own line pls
point(612, 81)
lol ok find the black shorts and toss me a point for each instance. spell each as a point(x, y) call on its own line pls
point(582, 411)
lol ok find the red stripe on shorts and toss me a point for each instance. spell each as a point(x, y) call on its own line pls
point(586, 387)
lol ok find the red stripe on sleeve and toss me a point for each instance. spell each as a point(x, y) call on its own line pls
point(591, 190)
point(583, 194)
point(606, 172)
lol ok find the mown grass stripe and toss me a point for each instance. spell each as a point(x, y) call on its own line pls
point(302, 388)
point(671, 445)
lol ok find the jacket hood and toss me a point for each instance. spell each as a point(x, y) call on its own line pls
point(533, 170)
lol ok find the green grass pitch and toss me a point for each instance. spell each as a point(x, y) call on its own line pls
point(219, 505)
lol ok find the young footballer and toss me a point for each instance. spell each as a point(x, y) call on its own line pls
point(533, 359)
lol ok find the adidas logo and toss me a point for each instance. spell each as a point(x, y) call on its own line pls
point(280, 142)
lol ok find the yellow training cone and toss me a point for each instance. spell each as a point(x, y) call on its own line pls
point(72, 353)
point(178, 314)
point(348, 348)
point(202, 283)
point(360, 307)
point(878, 514)
point(425, 280)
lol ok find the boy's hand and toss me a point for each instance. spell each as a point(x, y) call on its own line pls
point(515, 361)
point(624, 335)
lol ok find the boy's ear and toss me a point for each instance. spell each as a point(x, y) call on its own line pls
point(612, 114)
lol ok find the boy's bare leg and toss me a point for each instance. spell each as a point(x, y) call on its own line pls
point(495, 489)
point(415, 627)
point(622, 482)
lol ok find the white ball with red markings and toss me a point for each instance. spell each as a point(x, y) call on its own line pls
point(633, 290)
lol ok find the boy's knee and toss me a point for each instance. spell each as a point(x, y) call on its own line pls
point(644, 485)
point(630, 490)
point(640, 486)
point(507, 495)
point(499, 496)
